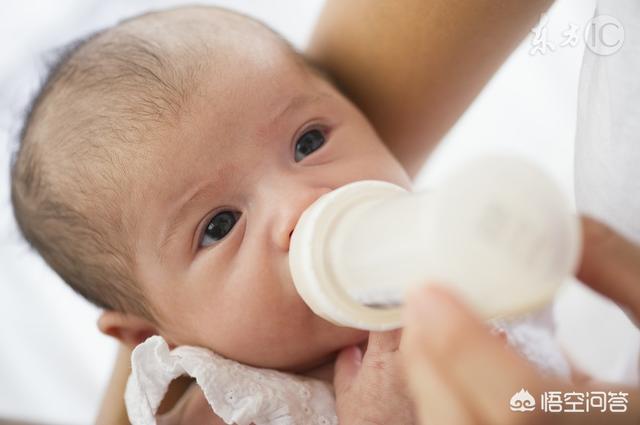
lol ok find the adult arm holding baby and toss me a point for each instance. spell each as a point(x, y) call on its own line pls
point(113, 410)
point(414, 66)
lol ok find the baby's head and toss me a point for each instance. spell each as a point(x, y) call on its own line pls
point(163, 168)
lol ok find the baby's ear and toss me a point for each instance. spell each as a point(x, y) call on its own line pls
point(129, 329)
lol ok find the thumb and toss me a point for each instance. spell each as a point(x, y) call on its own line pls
point(346, 368)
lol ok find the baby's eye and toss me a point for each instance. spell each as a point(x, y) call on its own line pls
point(308, 142)
point(218, 227)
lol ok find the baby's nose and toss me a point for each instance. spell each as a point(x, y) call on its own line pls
point(290, 214)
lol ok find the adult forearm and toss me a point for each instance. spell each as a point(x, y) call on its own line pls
point(413, 66)
point(112, 410)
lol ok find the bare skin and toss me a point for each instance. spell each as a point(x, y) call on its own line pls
point(394, 80)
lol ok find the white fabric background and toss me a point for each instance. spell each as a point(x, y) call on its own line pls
point(53, 361)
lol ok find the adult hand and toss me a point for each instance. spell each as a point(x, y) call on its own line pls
point(460, 373)
point(371, 388)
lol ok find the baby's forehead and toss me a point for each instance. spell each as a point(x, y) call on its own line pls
point(194, 47)
point(226, 78)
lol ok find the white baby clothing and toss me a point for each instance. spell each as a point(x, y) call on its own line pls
point(242, 395)
point(237, 393)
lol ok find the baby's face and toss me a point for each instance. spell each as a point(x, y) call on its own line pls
point(258, 143)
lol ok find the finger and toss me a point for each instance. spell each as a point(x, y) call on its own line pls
point(384, 342)
point(346, 368)
point(476, 364)
point(610, 265)
point(435, 401)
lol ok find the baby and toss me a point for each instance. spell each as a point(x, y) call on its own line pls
point(161, 172)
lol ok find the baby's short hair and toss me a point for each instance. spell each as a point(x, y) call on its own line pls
point(71, 179)
point(70, 160)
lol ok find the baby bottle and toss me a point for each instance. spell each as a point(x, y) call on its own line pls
point(498, 232)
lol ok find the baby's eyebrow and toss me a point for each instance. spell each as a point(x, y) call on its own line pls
point(204, 192)
point(297, 102)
